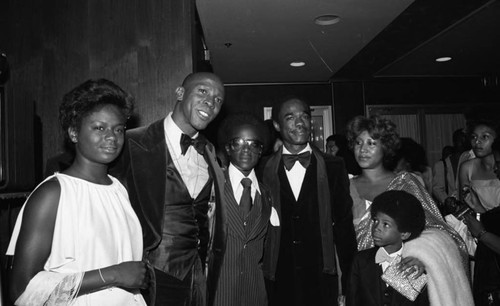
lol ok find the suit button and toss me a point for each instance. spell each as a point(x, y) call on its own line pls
point(245, 223)
point(297, 242)
point(386, 294)
point(296, 217)
point(245, 246)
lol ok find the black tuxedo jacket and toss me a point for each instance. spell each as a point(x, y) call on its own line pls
point(366, 287)
point(142, 169)
point(335, 213)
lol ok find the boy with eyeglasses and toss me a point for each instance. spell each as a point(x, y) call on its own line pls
point(235, 275)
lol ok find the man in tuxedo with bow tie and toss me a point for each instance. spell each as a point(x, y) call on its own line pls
point(311, 196)
point(168, 168)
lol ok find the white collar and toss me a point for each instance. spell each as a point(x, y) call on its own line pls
point(236, 176)
point(394, 254)
point(306, 149)
point(173, 133)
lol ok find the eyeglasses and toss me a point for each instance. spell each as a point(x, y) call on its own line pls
point(238, 143)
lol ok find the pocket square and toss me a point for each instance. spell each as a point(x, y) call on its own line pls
point(274, 219)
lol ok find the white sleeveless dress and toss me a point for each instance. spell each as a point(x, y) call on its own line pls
point(95, 227)
point(488, 191)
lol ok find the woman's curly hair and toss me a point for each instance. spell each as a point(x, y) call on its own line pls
point(380, 129)
point(87, 98)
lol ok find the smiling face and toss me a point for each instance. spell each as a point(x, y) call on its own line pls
point(368, 151)
point(385, 233)
point(481, 140)
point(244, 148)
point(294, 125)
point(199, 102)
point(100, 136)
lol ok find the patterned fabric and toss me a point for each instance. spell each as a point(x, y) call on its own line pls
point(433, 219)
point(49, 288)
point(241, 280)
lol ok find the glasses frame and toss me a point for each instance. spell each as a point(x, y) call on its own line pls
point(238, 143)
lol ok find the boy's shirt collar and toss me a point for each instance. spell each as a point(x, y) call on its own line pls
point(236, 176)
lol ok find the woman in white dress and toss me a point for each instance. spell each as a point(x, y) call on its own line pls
point(77, 240)
point(477, 175)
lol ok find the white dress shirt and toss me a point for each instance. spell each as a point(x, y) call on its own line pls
point(192, 166)
point(236, 176)
point(297, 173)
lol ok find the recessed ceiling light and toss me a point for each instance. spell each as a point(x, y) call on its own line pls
point(326, 20)
point(297, 64)
point(443, 59)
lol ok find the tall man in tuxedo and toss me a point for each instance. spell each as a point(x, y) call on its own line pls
point(167, 169)
point(311, 195)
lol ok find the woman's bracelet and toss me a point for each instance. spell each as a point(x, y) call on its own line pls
point(481, 234)
point(100, 274)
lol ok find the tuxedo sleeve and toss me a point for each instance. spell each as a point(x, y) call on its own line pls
point(352, 293)
point(343, 229)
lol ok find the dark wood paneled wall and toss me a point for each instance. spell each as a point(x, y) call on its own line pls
point(145, 46)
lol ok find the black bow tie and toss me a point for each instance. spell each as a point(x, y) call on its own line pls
point(290, 159)
point(198, 143)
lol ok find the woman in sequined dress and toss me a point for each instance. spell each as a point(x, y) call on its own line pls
point(374, 141)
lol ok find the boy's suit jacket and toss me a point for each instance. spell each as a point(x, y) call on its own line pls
point(366, 287)
point(229, 217)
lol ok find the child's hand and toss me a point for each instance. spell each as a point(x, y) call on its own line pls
point(410, 265)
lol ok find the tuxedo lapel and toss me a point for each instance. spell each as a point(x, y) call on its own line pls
point(262, 218)
point(374, 271)
point(149, 165)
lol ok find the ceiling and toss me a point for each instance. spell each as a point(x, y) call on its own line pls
point(255, 41)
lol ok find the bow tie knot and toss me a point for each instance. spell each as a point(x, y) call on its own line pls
point(382, 256)
point(290, 159)
point(198, 143)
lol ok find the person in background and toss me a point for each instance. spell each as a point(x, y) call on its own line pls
point(337, 145)
point(274, 140)
point(375, 142)
point(168, 168)
point(77, 240)
point(445, 171)
point(237, 272)
point(477, 176)
point(310, 193)
point(486, 282)
point(411, 157)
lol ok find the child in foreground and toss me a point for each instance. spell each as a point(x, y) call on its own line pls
point(399, 221)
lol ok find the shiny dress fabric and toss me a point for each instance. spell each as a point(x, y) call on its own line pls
point(407, 182)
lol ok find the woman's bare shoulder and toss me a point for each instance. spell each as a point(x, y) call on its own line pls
point(44, 199)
